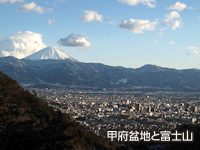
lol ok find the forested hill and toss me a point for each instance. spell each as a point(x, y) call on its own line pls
point(27, 122)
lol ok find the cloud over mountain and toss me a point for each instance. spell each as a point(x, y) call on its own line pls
point(138, 26)
point(149, 3)
point(90, 16)
point(21, 44)
point(178, 6)
point(11, 1)
point(194, 49)
point(74, 40)
point(173, 20)
point(34, 7)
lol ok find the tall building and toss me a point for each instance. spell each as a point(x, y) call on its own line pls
point(128, 102)
point(149, 109)
point(141, 108)
point(137, 107)
point(195, 109)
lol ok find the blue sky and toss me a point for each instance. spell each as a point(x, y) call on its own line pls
point(129, 33)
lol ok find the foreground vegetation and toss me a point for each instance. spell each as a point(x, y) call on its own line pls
point(27, 122)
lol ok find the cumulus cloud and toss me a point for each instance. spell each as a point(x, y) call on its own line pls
point(178, 6)
point(51, 21)
point(173, 20)
point(21, 44)
point(74, 40)
point(138, 26)
point(195, 49)
point(90, 16)
point(149, 3)
point(34, 7)
point(11, 1)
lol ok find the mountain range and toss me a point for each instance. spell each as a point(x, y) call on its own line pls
point(40, 71)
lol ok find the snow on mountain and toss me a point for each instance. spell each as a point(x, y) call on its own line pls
point(50, 52)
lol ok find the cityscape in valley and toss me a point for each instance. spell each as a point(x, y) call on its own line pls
point(99, 74)
point(100, 111)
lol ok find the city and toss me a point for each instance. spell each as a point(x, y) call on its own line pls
point(100, 111)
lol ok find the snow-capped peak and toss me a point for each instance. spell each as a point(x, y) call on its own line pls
point(51, 52)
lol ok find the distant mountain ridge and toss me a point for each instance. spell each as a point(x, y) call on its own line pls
point(152, 68)
point(51, 52)
point(70, 73)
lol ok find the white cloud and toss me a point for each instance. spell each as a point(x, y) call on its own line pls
point(138, 26)
point(90, 16)
point(173, 20)
point(34, 7)
point(51, 21)
point(178, 7)
point(195, 49)
point(172, 43)
point(149, 3)
point(74, 40)
point(21, 44)
point(11, 1)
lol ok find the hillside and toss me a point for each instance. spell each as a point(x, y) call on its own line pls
point(27, 122)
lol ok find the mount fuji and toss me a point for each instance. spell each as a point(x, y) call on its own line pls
point(51, 52)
